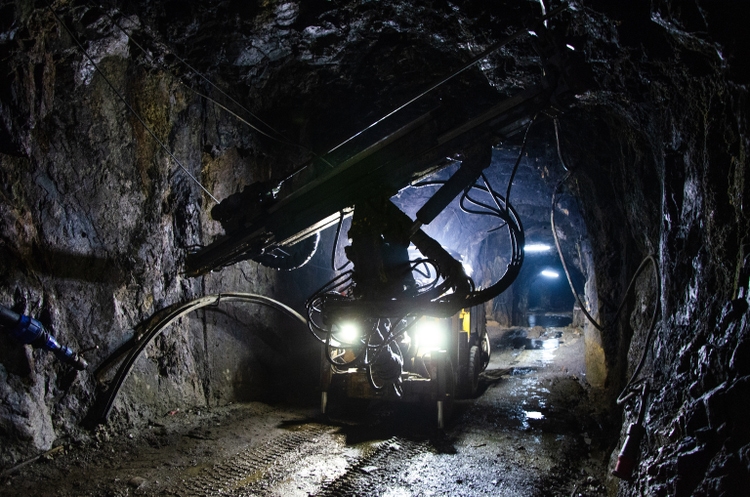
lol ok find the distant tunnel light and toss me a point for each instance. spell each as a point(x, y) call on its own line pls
point(536, 248)
point(548, 273)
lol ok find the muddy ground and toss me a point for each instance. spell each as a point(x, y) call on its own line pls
point(535, 429)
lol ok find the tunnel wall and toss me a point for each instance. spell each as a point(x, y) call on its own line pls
point(666, 138)
point(95, 221)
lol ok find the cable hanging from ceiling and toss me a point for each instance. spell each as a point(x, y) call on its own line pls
point(164, 48)
point(272, 133)
point(630, 388)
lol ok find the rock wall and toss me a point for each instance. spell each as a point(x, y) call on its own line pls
point(96, 219)
point(671, 114)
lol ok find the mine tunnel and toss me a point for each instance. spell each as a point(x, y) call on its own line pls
point(397, 248)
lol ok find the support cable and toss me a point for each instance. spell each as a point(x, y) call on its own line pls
point(557, 143)
point(236, 116)
point(518, 160)
point(469, 64)
point(130, 108)
point(280, 138)
point(195, 71)
point(283, 140)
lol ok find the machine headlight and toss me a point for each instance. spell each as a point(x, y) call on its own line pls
point(431, 334)
point(347, 333)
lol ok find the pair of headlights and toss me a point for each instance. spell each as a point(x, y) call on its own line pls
point(428, 334)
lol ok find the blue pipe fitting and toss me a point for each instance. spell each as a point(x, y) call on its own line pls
point(28, 330)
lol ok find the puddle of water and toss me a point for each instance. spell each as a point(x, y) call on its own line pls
point(521, 371)
point(542, 343)
point(548, 356)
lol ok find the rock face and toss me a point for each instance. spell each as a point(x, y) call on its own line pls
point(674, 106)
point(97, 217)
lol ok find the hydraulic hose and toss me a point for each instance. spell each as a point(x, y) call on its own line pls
point(28, 330)
point(649, 259)
point(169, 316)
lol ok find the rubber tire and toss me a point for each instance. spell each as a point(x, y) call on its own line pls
point(463, 387)
point(475, 367)
point(486, 350)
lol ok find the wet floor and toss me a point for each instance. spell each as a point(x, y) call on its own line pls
point(534, 430)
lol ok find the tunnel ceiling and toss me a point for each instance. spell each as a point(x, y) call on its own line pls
point(96, 218)
point(319, 72)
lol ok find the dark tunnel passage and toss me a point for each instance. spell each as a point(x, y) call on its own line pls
point(531, 277)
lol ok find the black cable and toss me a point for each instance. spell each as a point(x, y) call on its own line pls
point(156, 327)
point(130, 108)
point(492, 193)
point(625, 394)
point(562, 258)
point(489, 210)
point(483, 55)
point(195, 71)
point(466, 197)
point(649, 336)
point(557, 142)
point(424, 262)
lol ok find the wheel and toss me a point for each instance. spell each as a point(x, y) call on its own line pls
point(475, 367)
point(486, 350)
point(468, 373)
point(463, 387)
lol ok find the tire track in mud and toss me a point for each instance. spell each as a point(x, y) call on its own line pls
point(358, 481)
point(247, 467)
